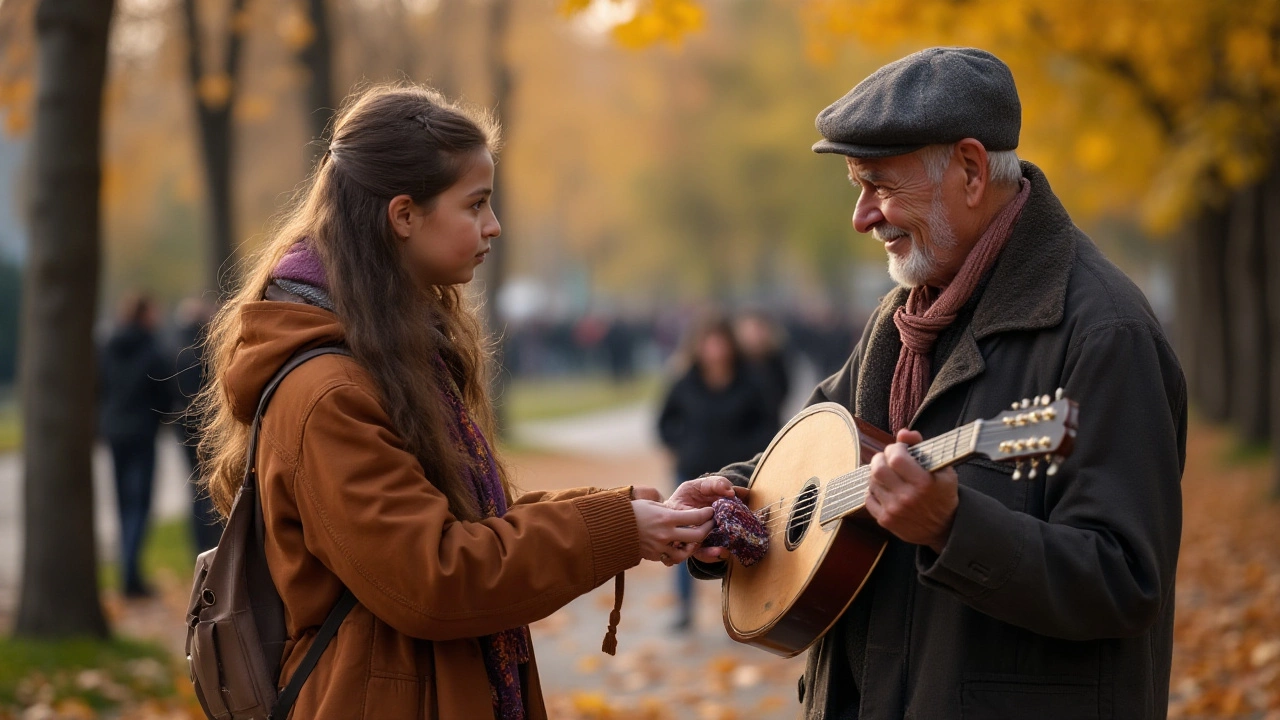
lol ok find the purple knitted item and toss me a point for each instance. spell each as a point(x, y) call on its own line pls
point(738, 529)
point(301, 264)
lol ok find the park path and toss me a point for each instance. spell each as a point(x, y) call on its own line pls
point(657, 673)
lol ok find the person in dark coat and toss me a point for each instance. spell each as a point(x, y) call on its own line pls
point(134, 396)
point(1050, 597)
point(715, 412)
point(760, 339)
point(194, 315)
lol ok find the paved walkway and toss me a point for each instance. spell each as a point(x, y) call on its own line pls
point(657, 674)
point(172, 499)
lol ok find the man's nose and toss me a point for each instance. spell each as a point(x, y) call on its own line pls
point(866, 214)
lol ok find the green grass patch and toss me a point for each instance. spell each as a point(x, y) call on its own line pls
point(550, 398)
point(10, 426)
point(168, 551)
point(1240, 453)
point(100, 674)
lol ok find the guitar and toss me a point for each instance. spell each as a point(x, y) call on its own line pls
point(809, 490)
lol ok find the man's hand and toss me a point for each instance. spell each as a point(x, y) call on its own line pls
point(700, 493)
point(916, 506)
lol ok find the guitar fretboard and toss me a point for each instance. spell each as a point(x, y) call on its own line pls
point(848, 492)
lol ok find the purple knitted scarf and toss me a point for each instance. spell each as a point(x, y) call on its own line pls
point(504, 651)
point(300, 271)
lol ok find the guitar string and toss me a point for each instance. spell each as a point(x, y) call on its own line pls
point(925, 445)
point(928, 446)
point(857, 485)
point(854, 490)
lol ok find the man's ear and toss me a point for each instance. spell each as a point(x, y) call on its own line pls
point(972, 157)
point(400, 215)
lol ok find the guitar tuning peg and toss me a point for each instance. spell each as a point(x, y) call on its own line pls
point(1036, 401)
point(1058, 395)
point(1017, 470)
point(1026, 403)
point(1016, 405)
point(1035, 463)
point(1045, 400)
point(1053, 465)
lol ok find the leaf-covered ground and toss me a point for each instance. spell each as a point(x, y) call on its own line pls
point(1227, 642)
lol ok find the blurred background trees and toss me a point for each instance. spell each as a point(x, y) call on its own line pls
point(657, 151)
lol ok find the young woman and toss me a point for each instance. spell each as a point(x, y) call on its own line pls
point(376, 472)
point(716, 412)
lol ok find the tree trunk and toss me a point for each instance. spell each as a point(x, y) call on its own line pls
point(318, 58)
point(1202, 314)
point(1248, 376)
point(59, 594)
point(214, 102)
point(500, 84)
point(1269, 200)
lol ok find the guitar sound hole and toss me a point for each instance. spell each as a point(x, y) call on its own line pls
point(801, 514)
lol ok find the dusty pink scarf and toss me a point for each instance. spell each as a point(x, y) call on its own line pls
point(927, 313)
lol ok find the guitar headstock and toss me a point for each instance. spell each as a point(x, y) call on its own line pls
point(1037, 430)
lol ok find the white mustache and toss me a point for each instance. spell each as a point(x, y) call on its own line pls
point(884, 232)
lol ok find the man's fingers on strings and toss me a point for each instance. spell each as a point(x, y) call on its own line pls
point(898, 458)
point(909, 437)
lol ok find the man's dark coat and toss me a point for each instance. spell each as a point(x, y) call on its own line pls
point(1053, 597)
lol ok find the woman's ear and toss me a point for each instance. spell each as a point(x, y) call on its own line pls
point(400, 215)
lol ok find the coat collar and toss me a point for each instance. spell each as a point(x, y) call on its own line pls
point(1027, 290)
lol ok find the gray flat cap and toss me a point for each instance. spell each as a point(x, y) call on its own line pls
point(939, 95)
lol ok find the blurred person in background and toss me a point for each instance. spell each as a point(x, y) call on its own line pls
point(716, 411)
point(134, 395)
point(194, 314)
point(762, 345)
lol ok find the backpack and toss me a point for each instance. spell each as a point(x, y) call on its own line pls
point(235, 620)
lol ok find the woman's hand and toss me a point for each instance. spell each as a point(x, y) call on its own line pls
point(667, 535)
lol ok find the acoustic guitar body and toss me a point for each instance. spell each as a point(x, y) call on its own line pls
point(812, 572)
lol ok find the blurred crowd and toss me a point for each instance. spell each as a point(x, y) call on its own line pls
point(623, 345)
point(730, 376)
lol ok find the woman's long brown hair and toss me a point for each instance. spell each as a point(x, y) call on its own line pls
point(386, 141)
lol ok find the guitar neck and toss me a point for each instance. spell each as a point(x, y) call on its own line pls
point(847, 493)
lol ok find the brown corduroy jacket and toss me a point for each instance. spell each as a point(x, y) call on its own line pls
point(346, 504)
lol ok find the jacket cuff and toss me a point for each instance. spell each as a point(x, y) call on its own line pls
point(984, 549)
point(707, 571)
point(611, 526)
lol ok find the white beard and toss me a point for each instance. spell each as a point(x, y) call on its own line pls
point(920, 263)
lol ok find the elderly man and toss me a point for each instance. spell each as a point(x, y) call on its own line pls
point(1043, 598)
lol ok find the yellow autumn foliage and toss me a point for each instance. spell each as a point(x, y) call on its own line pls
point(1150, 108)
point(1136, 108)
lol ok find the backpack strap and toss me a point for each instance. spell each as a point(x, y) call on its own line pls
point(284, 702)
point(287, 696)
